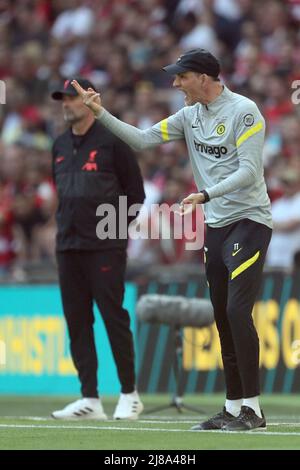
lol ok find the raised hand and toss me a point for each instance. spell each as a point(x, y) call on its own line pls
point(90, 97)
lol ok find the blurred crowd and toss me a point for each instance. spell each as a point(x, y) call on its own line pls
point(121, 46)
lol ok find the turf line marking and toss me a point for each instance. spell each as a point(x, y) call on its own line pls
point(116, 428)
point(142, 421)
point(98, 428)
point(149, 421)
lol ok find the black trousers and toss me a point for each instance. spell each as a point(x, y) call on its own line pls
point(85, 276)
point(234, 263)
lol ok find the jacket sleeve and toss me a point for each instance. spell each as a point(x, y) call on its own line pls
point(53, 152)
point(164, 131)
point(129, 174)
point(249, 132)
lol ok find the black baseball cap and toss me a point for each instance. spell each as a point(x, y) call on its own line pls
point(196, 60)
point(68, 89)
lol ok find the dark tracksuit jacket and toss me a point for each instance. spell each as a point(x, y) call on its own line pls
point(88, 171)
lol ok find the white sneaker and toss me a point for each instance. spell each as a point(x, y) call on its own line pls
point(85, 408)
point(129, 406)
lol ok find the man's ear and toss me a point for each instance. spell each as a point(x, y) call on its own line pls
point(206, 80)
point(202, 77)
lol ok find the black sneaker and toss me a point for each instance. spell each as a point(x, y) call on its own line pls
point(247, 421)
point(216, 422)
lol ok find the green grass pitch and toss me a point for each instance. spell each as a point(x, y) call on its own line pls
point(25, 423)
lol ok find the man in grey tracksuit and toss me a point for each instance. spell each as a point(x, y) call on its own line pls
point(224, 133)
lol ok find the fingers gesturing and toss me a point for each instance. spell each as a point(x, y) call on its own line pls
point(89, 97)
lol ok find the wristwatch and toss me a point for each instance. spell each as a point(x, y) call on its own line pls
point(206, 196)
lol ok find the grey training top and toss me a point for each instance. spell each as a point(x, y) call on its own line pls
point(225, 141)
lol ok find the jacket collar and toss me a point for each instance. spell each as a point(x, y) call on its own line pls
point(218, 103)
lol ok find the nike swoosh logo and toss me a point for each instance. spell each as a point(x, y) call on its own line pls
point(236, 252)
